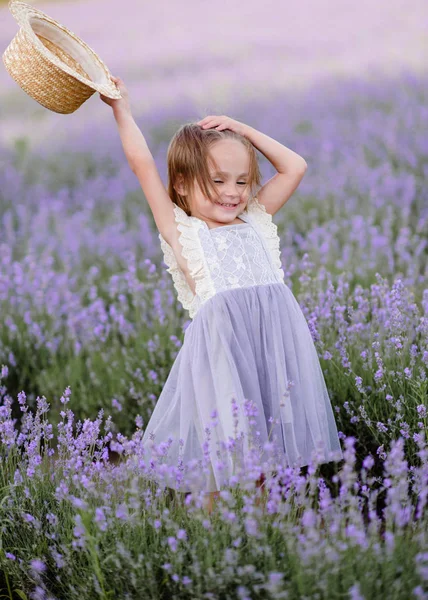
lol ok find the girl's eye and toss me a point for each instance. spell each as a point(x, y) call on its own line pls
point(240, 182)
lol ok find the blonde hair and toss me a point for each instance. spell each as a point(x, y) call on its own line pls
point(188, 158)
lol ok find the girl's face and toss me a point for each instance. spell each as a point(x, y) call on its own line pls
point(231, 181)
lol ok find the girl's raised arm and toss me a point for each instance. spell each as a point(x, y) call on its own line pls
point(291, 169)
point(142, 163)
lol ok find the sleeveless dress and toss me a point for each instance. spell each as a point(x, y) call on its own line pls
point(248, 340)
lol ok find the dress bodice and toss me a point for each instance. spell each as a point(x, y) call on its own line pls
point(225, 257)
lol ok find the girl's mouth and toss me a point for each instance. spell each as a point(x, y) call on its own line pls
point(226, 206)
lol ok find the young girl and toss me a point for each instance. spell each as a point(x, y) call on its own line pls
point(248, 338)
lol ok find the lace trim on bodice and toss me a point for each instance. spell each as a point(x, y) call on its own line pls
point(192, 251)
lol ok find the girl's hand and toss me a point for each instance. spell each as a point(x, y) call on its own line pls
point(121, 104)
point(223, 122)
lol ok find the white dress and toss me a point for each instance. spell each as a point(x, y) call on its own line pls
point(248, 340)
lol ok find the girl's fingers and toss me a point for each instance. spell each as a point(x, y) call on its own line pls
point(208, 120)
point(211, 124)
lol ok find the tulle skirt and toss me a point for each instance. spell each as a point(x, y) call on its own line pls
point(248, 369)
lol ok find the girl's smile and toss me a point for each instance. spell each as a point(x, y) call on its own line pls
point(225, 206)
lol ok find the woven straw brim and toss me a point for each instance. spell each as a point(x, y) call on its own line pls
point(52, 64)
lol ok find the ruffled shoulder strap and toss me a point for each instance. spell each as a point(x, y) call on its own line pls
point(184, 294)
point(268, 229)
point(192, 251)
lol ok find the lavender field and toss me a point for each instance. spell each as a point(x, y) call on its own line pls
point(90, 324)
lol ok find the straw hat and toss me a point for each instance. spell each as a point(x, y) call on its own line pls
point(53, 65)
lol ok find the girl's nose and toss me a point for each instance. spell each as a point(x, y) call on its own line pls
point(233, 191)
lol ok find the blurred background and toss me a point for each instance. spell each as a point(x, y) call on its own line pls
point(215, 55)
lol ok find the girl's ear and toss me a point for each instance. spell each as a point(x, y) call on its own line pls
point(179, 186)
